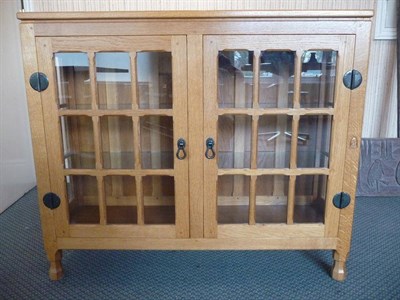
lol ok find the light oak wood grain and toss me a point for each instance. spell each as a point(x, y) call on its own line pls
point(192, 196)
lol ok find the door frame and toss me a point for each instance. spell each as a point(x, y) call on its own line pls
point(177, 45)
point(345, 45)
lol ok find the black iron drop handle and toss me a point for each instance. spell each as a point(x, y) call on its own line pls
point(210, 153)
point(181, 153)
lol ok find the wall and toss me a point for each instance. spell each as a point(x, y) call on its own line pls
point(89, 5)
point(16, 160)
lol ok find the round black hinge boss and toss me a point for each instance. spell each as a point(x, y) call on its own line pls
point(341, 200)
point(51, 200)
point(352, 79)
point(39, 81)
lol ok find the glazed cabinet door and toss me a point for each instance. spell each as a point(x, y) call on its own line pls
point(275, 115)
point(116, 124)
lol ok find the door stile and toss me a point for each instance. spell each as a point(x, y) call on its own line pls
point(339, 132)
point(180, 107)
point(210, 131)
point(196, 139)
point(52, 129)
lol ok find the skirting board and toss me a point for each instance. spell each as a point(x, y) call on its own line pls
point(379, 173)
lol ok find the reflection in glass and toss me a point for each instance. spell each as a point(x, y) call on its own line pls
point(314, 141)
point(113, 76)
point(117, 142)
point(310, 196)
point(276, 79)
point(318, 78)
point(233, 199)
point(78, 142)
point(83, 199)
point(234, 141)
point(156, 135)
point(159, 199)
point(235, 79)
point(154, 76)
point(271, 198)
point(274, 139)
point(73, 80)
point(120, 192)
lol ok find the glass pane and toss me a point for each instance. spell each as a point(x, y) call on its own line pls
point(156, 135)
point(310, 198)
point(314, 141)
point(159, 199)
point(78, 142)
point(233, 199)
point(117, 142)
point(83, 199)
point(274, 138)
point(234, 142)
point(271, 199)
point(276, 79)
point(235, 79)
point(121, 199)
point(113, 75)
point(318, 78)
point(154, 76)
point(73, 80)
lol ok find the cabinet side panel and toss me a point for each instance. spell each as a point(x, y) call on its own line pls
point(38, 136)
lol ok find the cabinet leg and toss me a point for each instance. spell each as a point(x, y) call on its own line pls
point(56, 271)
point(339, 271)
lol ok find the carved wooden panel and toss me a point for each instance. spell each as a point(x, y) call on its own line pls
point(379, 173)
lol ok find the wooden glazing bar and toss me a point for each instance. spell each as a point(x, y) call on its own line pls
point(276, 111)
point(287, 172)
point(254, 142)
point(116, 112)
point(136, 142)
point(121, 172)
point(293, 146)
point(93, 84)
point(252, 204)
point(291, 199)
point(134, 90)
point(97, 142)
point(140, 200)
point(239, 146)
point(138, 166)
point(297, 79)
point(102, 200)
point(256, 79)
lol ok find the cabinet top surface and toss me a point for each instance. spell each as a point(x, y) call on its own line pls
point(61, 16)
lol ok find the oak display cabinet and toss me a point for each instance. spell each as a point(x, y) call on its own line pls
point(196, 130)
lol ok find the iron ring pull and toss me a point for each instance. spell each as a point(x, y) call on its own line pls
point(210, 153)
point(181, 153)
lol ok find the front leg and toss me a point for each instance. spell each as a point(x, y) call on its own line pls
point(339, 271)
point(56, 271)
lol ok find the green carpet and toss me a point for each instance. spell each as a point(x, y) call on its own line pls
point(374, 265)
